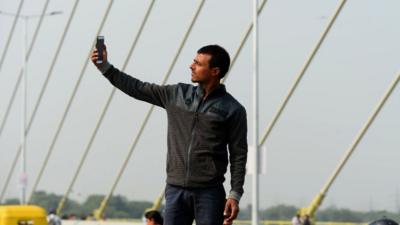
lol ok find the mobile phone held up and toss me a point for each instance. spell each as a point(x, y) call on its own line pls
point(100, 49)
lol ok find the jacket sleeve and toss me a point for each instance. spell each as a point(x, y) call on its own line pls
point(151, 93)
point(237, 152)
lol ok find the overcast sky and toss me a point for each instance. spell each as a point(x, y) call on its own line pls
point(353, 69)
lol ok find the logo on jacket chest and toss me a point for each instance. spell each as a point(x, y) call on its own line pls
point(218, 111)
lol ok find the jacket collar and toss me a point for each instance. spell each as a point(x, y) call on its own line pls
point(218, 90)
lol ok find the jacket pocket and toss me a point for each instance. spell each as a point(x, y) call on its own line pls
point(202, 167)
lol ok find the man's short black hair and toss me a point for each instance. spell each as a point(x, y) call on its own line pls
point(155, 216)
point(219, 58)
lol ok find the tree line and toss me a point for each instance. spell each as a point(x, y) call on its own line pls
point(120, 207)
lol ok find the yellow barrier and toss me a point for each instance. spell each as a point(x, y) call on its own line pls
point(22, 215)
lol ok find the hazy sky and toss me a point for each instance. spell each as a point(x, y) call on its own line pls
point(350, 73)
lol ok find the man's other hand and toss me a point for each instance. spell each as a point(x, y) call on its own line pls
point(231, 211)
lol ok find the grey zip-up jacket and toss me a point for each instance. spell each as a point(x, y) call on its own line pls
point(200, 132)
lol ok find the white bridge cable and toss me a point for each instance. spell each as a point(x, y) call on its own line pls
point(14, 93)
point(72, 97)
point(11, 34)
point(243, 41)
point(40, 97)
point(146, 119)
point(302, 72)
point(103, 113)
point(361, 133)
point(317, 201)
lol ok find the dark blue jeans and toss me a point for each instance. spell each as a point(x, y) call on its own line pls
point(183, 205)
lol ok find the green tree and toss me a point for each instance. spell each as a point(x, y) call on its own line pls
point(339, 215)
point(50, 203)
point(47, 201)
point(91, 203)
point(279, 212)
point(137, 208)
point(12, 201)
point(244, 213)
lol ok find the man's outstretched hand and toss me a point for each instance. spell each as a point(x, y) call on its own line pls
point(231, 211)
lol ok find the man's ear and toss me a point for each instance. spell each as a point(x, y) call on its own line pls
point(215, 71)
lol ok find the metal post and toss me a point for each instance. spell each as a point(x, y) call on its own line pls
point(23, 179)
point(255, 206)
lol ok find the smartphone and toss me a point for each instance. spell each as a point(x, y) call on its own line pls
point(100, 48)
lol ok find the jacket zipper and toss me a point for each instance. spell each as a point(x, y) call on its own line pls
point(195, 119)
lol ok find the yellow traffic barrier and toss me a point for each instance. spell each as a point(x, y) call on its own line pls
point(22, 215)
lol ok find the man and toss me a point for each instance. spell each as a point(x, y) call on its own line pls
point(206, 126)
point(153, 217)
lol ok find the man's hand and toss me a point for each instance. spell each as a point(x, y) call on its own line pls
point(95, 56)
point(231, 211)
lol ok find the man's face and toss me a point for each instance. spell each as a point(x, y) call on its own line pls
point(150, 222)
point(201, 71)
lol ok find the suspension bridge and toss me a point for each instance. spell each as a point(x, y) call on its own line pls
point(328, 85)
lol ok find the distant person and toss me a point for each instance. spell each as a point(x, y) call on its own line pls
point(296, 220)
point(384, 221)
point(72, 217)
point(153, 217)
point(207, 130)
point(306, 220)
point(53, 218)
point(64, 217)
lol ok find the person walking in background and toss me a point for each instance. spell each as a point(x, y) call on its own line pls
point(153, 217)
point(53, 218)
point(296, 220)
point(306, 220)
point(207, 128)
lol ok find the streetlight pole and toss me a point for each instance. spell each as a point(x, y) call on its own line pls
point(255, 180)
point(23, 181)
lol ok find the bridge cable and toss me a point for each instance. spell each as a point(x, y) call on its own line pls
point(11, 34)
point(39, 98)
point(302, 72)
point(320, 196)
point(70, 101)
point(14, 93)
point(104, 203)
